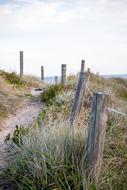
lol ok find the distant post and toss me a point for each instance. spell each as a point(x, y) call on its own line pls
point(96, 136)
point(88, 70)
point(79, 96)
point(56, 80)
point(63, 73)
point(42, 72)
point(21, 63)
point(82, 66)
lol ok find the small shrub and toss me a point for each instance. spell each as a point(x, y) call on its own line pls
point(41, 117)
point(122, 93)
point(120, 81)
point(12, 78)
point(50, 93)
point(18, 135)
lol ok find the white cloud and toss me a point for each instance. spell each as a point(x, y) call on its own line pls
point(32, 14)
point(56, 31)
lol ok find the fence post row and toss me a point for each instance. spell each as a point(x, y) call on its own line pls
point(79, 95)
point(63, 73)
point(21, 63)
point(96, 136)
point(42, 72)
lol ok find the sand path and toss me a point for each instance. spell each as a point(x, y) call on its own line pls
point(23, 117)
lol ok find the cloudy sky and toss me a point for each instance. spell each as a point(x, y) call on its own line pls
point(54, 32)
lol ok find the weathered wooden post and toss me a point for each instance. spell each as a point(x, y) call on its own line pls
point(42, 72)
point(21, 63)
point(88, 70)
point(63, 73)
point(96, 136)
point(79, 95)
point(56, 80)
point(97, 74)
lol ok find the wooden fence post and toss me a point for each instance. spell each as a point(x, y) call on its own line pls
point(96, 136)
point(42, 72)
point(21, 63)
point(97, 74)
point(79, 95)
point(56, 80)
point(88, 70)
point(63, 73)
point(82, 66)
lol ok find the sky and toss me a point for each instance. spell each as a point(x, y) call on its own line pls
point(55, 32)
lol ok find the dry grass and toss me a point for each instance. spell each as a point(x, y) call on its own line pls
point(51, 158)
point(44, 160)
point(32, 81)
point(13, 90)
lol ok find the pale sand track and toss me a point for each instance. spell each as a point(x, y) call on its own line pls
point(23, 117)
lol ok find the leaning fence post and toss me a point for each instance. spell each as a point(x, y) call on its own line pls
point(21, 63)
point(63, 73)
point(56, 80)
point(79, 95)
point(42, 72)
point(96, 136)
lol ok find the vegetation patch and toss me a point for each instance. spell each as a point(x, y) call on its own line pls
point(12, 78)
point(18, 135)
point(122, 93)
point(3, 111)
point(120, 81)
point(48, 96)
point(51, 156)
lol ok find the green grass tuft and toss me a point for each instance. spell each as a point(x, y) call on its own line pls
point(12, 78)
point(50, 158)
point(48, 96)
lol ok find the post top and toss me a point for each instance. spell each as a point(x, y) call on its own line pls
point(63, 65)
point(82, 66)
point(100, 93)
point(83, 60)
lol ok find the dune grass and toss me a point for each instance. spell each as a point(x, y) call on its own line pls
point(51, 158)
point(51, 155)
point(12, 78)
point(13, 90)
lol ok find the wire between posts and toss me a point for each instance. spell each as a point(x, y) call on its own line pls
point(88, 88)
point(116, 111)
point(109, 109)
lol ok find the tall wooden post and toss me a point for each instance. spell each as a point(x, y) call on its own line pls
point(63, 73)
point(42, 72)
point(79, 95)
point(82, 66)
point(21, 63)
point(56, 80)
point(96, 136)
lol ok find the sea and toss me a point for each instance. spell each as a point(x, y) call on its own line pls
point(123, 76)
point(51, 80)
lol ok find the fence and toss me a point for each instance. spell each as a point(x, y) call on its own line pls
point(97, 127)
point(63, 70)
point(98, 119)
